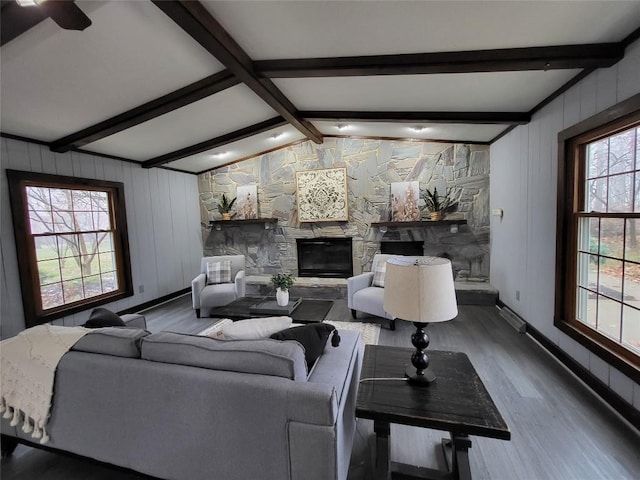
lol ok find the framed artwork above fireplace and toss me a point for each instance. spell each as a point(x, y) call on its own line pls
point(322, 195)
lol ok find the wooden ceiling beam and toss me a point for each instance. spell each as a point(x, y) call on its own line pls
point(196, 20)
point(598, 55)
point(143, 113)
point(215, 142)
point(507, 118)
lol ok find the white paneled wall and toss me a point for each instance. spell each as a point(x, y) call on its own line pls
point(163, 219)
point(523, 183)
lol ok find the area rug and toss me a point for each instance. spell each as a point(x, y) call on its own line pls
point(370, 332)
point(311, 310)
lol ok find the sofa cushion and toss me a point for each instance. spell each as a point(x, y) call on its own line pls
point(119, 342)
point(264, 357)
point(219, 272)
point(378, 274)
point(255, 328)
point(101, 317)
point(313, 337)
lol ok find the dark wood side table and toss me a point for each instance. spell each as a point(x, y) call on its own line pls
point(457, 402)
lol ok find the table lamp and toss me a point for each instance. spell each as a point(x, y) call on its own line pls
point(420, 290)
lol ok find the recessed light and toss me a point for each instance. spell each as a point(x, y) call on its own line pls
point(418, 128)
point(220, 154)
point(343, 126)
point(29, 3)
point(276, 136)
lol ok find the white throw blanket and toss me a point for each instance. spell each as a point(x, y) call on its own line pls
point(28, 367)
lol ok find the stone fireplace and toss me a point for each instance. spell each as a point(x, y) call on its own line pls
point(325, 257)
point(372, 165)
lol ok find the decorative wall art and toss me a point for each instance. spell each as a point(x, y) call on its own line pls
point(247, 203)
point(322, 195)
point(404, 201)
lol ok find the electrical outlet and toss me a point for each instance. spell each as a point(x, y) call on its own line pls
point(141, 289)
point(518, 295)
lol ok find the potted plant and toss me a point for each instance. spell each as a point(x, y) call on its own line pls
point(283, 282)
point(224, 207)
point(439, 206)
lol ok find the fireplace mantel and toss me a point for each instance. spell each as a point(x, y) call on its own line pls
point(218, 224)
point(419, 224)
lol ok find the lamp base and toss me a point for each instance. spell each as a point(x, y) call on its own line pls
point(419, 380)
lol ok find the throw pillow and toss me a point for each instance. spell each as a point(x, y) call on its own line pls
point(101, 317)
point(313, 337)
point(219, 272)
point(378, 274)
point(255, 328)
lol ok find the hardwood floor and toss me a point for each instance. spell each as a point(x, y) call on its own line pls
point(560, 429)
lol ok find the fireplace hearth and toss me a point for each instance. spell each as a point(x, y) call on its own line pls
point(325, 257)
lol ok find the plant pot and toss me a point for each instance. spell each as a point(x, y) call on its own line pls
point(282, 297)
point(436, 216)
point(226, 216)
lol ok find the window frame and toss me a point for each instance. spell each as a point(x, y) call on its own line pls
point(18, 181)
point(571, 180)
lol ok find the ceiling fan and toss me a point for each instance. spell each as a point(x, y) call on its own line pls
point(18, 16)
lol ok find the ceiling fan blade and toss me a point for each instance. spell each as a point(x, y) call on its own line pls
point(66, 14)
point(15, 20)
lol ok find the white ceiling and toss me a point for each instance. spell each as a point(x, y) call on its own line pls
point(55, 82)
point(494, 91)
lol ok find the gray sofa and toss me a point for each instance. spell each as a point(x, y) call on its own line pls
point(176, 406)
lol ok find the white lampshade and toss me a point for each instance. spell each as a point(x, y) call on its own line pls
point(420, 289)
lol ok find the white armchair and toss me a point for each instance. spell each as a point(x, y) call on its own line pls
point(209, 291)
point(364, 296)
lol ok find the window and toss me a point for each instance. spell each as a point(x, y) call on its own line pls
point(73, 236)
point(598, 274)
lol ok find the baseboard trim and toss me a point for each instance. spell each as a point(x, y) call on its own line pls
point(619, 404)
point(154, 302)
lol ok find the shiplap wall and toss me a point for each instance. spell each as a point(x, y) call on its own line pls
point(523, 184)
point(163, 219)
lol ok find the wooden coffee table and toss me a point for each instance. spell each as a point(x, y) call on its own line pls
point(255, 307)
point(248, 307)
point(457, 402)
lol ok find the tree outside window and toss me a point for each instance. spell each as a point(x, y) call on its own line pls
point(74, 231)
point(608, 287)
point(598, 254)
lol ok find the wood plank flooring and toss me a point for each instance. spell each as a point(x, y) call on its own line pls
point(560, 429)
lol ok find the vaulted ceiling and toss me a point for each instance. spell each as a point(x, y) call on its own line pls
point(196, 85)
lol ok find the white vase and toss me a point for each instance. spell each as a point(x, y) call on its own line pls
point(282, 297)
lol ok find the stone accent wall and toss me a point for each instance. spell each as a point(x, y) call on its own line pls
point(371, 167)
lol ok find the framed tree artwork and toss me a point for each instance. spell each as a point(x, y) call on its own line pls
point(247, 203)
point(322, 195)
point(404, 201)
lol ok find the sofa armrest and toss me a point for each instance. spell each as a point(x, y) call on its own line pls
point(240, 284)
point(135, 320)
point(357, 282)
point(336, 365)
point(197, 285)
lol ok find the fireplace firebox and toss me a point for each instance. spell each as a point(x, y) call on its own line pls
point(325, 257)
point(403, 248)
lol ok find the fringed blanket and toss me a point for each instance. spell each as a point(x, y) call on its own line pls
point(29, 362)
